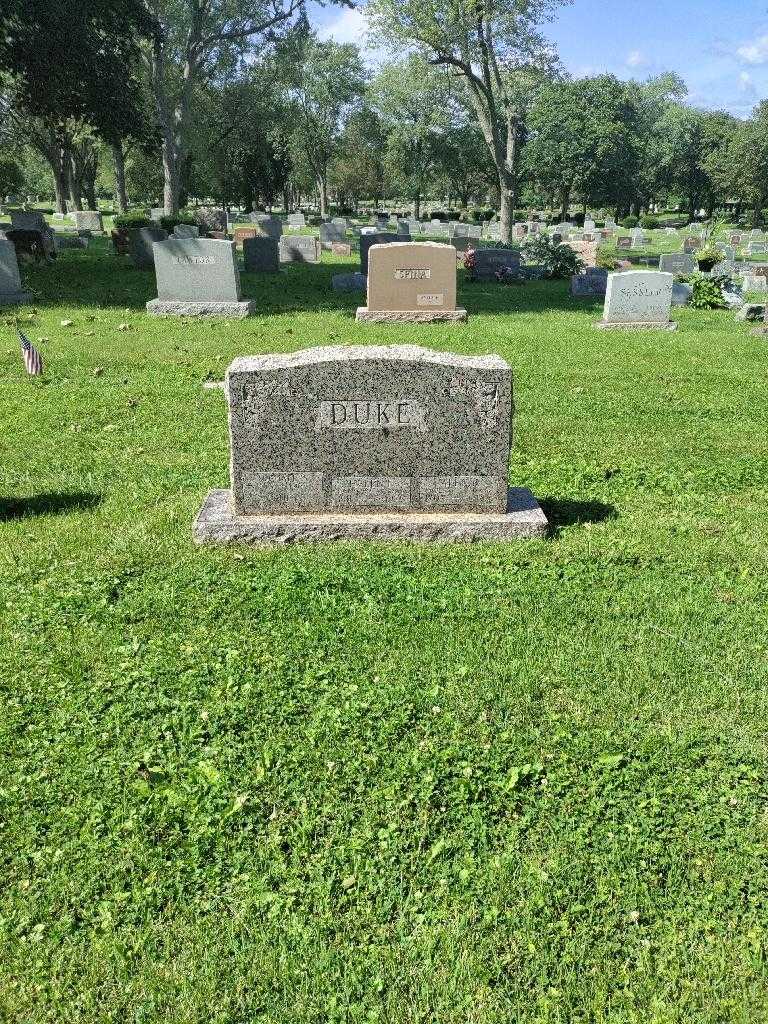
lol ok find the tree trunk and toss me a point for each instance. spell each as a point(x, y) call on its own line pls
point(416, 205)
point(121, 194)
point(322, 189)
point(565, 202)
point(73, 185)
point(507, 212)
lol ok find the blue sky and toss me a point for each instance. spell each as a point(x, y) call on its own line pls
point(719, 48)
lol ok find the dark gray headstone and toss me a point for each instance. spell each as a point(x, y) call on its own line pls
point(366, 241)
point(140, 245)
point(490, 262)
point(261, 255)
point(330, 233)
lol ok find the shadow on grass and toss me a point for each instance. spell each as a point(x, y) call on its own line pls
point(564, 512)
point(46, 505)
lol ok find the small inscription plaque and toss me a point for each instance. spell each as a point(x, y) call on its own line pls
point(371, 492)
point(413, 274)
point(430, 300)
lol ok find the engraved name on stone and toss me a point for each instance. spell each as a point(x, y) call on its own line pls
point(371, 491)
point(456, 490)
point(413, 274)
point(367, 415)
point(195, 259)
point(436, 299)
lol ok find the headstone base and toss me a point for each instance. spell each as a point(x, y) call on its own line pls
point(604, 325)
point(410, 316)
point(231, 310)
point(216, 523)
point(15, 298)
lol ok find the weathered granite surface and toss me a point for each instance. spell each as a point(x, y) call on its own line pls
point(488, 262)
point(369, 429)
point(209, 307)
point(217, 523)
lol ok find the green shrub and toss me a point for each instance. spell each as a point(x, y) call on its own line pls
point(578, 220)
point(125, 222)
point(708, 291)
point(630, 222)
point(604, 261)
point(649, 222)
point(169, 222)
point(559, 261)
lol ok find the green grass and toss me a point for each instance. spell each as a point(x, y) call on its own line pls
point(393, 784)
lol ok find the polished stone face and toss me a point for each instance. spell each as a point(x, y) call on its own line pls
point(638, 297)
point(411, 276)
point(489, 262)
point(358, 428)
point(261, 255)
point(196, 270)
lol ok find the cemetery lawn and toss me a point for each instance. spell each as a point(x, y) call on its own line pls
point(395, 784)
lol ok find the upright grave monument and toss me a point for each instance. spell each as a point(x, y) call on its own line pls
point(638, 299)
point(89, 220)
point(411, 282)
point(378, 443)
point(197, 277)
point(11, 291)
point(300, 249)
point(260, 255)
point(494, 264)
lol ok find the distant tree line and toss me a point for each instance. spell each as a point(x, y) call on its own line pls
point(240, 102)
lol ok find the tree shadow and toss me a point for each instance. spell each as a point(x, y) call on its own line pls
point(47, 505)
point(564, 512)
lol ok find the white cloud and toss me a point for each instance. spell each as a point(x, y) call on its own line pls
point(634, 59)
point(746, 85)
point(755, 52)
point(350, 26)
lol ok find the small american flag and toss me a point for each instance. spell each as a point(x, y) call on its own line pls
point(32, 358)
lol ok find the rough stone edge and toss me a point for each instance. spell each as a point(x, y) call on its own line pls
point(603, 325)
point(232, 310)
point(216, 523)
point(15, 298)
point(410, 316)
point(351, 353)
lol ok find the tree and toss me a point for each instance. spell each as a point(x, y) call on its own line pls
point(411, 98)
point(95, 89)
point(357, 168)
point(326, 87)
point(196, 38)
point(581, 140)
point(497, 53)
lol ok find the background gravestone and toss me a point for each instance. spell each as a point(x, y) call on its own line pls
point(411, 282)
point(330, 233)
point(89, 220)
point(11, 291)
point(677, 263)
point(369, 442)
point(638, 299)
point(197, 277)
point(140, 245)
point(186, 231)
point(489, 262)
point(300, 249)
point(260, 255)
point(592, 283)
point(375, 238)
